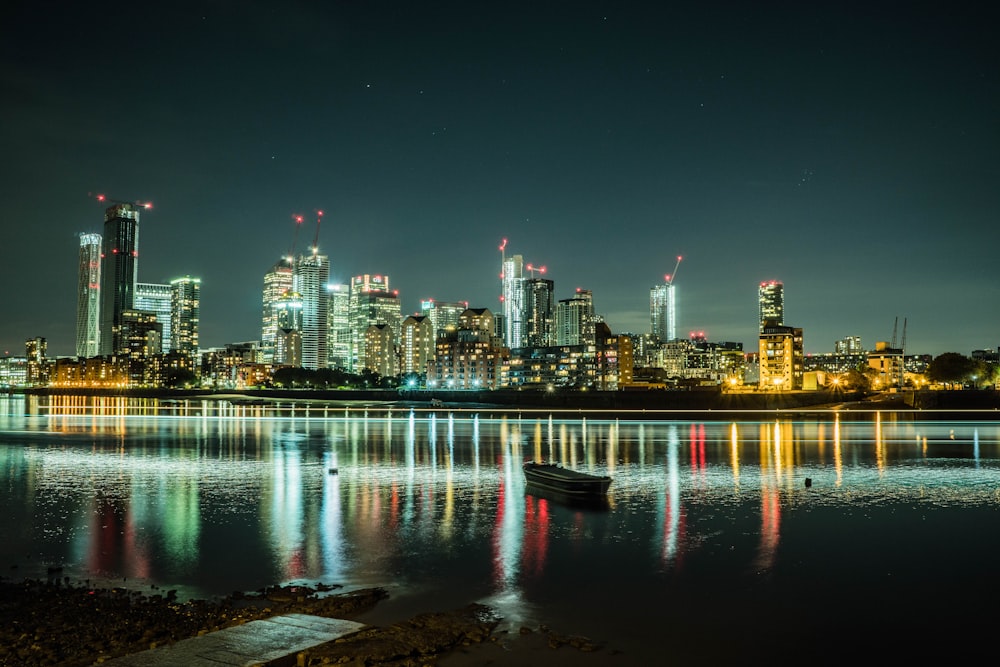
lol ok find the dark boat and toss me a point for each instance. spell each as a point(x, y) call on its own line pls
point(565, 481)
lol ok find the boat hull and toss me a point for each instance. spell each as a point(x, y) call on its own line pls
point(567, 482)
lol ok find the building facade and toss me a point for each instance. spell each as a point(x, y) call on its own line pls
point(277, 281)
point(416, 345)
point(157, 298)
point(513, 301)
point(781, 358)
point(575, 319)
point(771, 303)
point(663, 312)
point(185, 313)
point(312, 273)
point(338, 322)
point(371, 303)
point(119, 273)
point(88, 297)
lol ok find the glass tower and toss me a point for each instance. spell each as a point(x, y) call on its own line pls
point(156, 298)
point(118, 275)
point(88, 297)
point(185, 310)
point(771, 300)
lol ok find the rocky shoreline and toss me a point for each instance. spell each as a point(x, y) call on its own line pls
point(54, 622)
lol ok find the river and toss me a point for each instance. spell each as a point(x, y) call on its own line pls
point(766, 538)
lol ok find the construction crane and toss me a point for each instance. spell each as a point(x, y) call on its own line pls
point(532, 268)
point(670, 276)
point(107, 200)
point(295, 236)
point(315, 245)
point(503, 262)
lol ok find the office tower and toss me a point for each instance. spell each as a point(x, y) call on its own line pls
point(416, 344)
point(539, 313)
point(312, 273)
point(157, 298)
point(338, 323)
point(288, 339)
point(443, 315)
point(371, 303)
point(277, 281)
point(185, 309)
point(513, 301)
point(663, 312)
point(771, 300)
point(118, 275)
point(575, 319)
point(88, 297)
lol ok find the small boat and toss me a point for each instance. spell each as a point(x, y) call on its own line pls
point(566, 481)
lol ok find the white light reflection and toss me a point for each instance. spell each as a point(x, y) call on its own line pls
point(670, 501)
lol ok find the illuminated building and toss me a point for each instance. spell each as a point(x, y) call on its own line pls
point(888, 365)
point(185, 311)
point(119, 273)
point(380, 350)
point(663, 312)
point(312, 273)
point(539, 315)
point(575, 319)
point(139, 335)
point(513, 301)
point(157, 298)
point(443, 315)
point(416, 344)
point(771, 303)
point(371, 303)
point(781, 358)
point(34, 351)
point(467, 358)
point(338, 323)
point(88, 297)
point(288, 340)
point(277, 281)
point(848, 345)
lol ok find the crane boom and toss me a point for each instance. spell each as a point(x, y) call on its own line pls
point(315, 245)
point(670, 277)
point(108, 200)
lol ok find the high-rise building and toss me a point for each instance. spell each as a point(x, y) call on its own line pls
point(34, 353)
point(781, 357)
point(380, 350)
point(185, 310)
point(157, 298)
point(663, 312)
point(277, 281)
point(288, 340)
point(771, 301)
point(539, 313)
point(119, 273)
point(338, 323)
point(848, 345)
point(416, 344)
point(467, 357)
point(312, 273)
point(513, 301)
point(371, 303)
point(88, 297)
point(575, 319)
point(443, 315)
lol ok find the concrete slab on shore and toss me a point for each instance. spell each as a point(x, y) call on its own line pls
point(272, 641)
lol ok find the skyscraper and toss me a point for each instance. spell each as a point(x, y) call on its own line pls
point(277, 281)
point(443, 315)
point(119, 273)
point(771, 301)
point(185, 311)
point(416, 343)
point(88, 297)
point(371, 303)
point(312, 273)
point(663, 312)
point(288, 341)
point(539, 312)
point(157, 298)
point(575, 319)
point(338, 326)
point(513, 301)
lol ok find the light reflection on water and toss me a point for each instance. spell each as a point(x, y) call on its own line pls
point(208, 498)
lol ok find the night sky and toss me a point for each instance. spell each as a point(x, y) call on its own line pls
point(849, 150)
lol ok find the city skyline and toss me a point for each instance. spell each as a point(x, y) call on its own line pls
point(849, 155)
